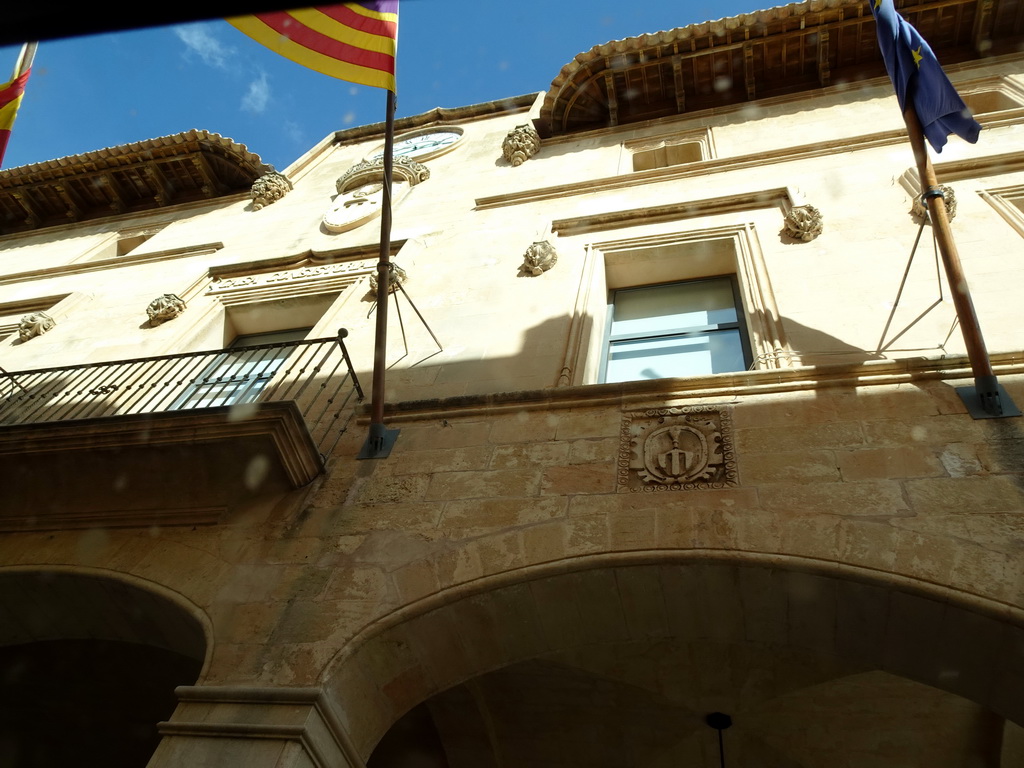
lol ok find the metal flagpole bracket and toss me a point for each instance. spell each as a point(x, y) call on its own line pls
point(987, 399)
point(378, 443)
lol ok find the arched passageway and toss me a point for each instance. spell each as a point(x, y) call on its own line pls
point(617, 661)
point(88, 667)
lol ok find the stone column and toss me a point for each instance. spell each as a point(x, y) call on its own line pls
point(243, 727)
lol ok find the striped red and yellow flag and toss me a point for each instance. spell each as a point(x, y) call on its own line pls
point(353, 41)
point(10, 99)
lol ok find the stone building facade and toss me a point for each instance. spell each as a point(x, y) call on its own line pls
point(680, 433)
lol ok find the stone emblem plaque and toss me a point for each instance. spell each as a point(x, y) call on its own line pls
point(676, 449)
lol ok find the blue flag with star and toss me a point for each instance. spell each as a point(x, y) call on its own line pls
point(917, 76)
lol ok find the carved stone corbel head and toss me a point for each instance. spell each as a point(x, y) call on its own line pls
point(539, 258)
point(521, 143)
point(803, 222)
point(398, 277)
point(34, 324)
point(920, 208)
point(164, 308)
point(268, 189)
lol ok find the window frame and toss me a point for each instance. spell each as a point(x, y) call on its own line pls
point(254, 365)
point(739, 325)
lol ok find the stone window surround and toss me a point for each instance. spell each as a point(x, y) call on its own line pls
point(1009, 203)
point(650, 152)
point(731, 249)
point(1000, 93)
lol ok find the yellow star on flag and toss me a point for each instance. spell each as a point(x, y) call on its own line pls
point(917, 56)
point(878, 4)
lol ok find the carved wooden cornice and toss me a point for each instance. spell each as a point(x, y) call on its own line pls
point(789, 49)
point(183, 168)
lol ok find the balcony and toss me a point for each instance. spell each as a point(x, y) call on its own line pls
point(176, 439)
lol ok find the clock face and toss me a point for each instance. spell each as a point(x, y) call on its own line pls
point(423, 146)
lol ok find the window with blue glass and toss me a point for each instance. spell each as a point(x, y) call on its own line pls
point(691, 328)
point(241, 372)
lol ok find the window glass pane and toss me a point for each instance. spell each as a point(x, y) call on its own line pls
point(271, 337)
point(661, 308)
point(676, 356)
point(240, 374)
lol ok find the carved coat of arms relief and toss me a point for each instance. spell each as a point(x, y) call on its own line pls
point(676, 449)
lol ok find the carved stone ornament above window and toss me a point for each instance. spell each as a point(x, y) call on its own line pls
point(521, 143)
point(398, 277)
point(34, 324)
point(920, 209)
point(361, 192)
point(677, 449)
point(803, 222)
point(164, 308)
point(405, 169)
point(268, 189)
point(539, 258)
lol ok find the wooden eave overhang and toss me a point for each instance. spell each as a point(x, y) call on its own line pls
point(784, 50)
point(131, 178)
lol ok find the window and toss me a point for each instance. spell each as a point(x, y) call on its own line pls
point(241, 372)
point(122, 243)
point(983, 102)
point(666, 262)
point(988, 95)
point(666, 150)
point(690, 328)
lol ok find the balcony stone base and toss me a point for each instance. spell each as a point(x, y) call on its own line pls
point(168, 468)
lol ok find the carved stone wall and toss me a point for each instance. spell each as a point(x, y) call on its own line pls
point(677, 449)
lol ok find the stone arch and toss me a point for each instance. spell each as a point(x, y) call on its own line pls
point(92, 657)
point(961, 644)
point(49, 603)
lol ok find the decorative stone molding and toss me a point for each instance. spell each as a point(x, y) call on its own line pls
point(803, 222)
point(357, 205)
point(521, 143)
point(164, 308)
point(677, 449)
point(539, 258)
point(34, 324)
point(920, 208)
point(398, 277)
point(268, 189)
point(405, 169)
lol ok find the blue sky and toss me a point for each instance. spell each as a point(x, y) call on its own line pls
point(93, 92)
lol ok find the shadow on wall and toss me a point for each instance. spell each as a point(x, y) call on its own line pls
point(539, 362)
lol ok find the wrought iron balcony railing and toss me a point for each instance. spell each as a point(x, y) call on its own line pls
point(315, 373)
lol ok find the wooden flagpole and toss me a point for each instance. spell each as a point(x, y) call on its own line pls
point(381, 439)
point(986, 399)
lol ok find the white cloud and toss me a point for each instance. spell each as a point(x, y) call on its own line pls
point(258, 95)
point(294, 132)
point(199, 40)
